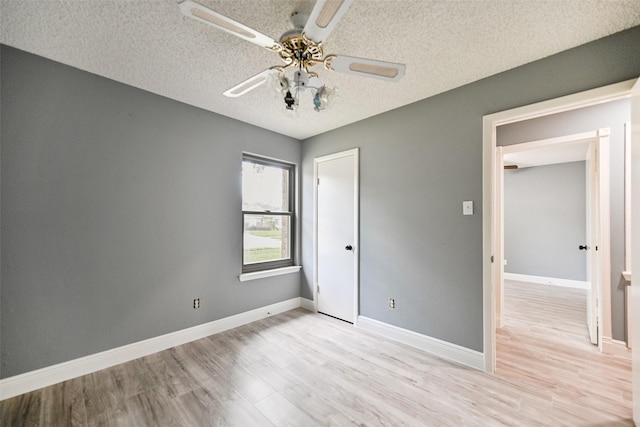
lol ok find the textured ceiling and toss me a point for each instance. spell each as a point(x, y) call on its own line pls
point(445, 44)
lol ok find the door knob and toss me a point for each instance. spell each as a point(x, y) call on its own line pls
point(583, 247)
point(348, 247)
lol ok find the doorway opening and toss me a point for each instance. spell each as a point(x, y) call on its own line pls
point(492, 242)
point(550, 209)
point(563, 212)
point(492, 239)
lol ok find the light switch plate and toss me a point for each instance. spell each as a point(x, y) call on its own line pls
point(467, 207)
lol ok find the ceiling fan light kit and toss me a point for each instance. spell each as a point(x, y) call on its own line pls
point(300, 49)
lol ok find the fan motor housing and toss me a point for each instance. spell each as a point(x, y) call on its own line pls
point(297, 49)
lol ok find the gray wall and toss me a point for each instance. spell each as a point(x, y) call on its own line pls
point(545, 221)
point(418, 163)
point(118, 208)
point(612, 115)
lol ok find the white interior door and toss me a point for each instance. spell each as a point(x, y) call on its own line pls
point(337, 238)
point(635, 245)
point(591, 233)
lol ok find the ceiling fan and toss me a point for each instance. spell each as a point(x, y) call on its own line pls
point(300, 49)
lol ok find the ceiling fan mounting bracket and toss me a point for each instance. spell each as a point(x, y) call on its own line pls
point(299, 19)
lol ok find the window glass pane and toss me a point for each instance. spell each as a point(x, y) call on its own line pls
point(266, 238)
point(264, 188)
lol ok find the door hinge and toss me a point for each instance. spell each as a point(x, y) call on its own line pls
point(318, 182)
point(492, 258)
point(318, 289)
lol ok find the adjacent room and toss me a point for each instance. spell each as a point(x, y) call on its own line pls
point(298, 212)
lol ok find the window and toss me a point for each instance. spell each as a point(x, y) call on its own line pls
point(267, 214)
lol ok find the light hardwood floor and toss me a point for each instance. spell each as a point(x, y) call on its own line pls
point(304, 369)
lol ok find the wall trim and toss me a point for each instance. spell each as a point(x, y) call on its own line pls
point(33, 380)
point(308, 304)
point(443, 349)
point(567, 283)
point(616, 348)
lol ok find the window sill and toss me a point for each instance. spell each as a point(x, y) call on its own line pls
point(269, 273)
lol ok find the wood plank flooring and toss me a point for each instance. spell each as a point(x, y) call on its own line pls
point(305, 369)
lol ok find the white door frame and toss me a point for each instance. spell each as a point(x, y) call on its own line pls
point(499, 239)
point(355, 154)
point(600, 138)
point(489, 199)
point(635, 244)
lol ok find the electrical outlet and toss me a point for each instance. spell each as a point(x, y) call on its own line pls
point(392, 303)
point(196, 303)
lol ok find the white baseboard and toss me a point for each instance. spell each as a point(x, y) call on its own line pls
point(443, 349)
point(615, 347)
point(29, 381)
point(308, 304)
point(547, 280)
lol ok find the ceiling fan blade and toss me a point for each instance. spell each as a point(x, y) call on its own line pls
point(204, 14)
point(383, 70)
point(324, 17)
point(249, 84)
